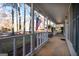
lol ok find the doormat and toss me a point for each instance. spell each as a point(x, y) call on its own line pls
point(62, 39)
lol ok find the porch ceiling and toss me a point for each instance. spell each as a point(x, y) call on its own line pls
point(56, 11)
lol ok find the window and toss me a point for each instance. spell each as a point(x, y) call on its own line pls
point(5, 19)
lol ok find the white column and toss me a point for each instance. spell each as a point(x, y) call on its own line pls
point(32, 29)
point(66, 29)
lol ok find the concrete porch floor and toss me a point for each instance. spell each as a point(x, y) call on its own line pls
point(54, 47)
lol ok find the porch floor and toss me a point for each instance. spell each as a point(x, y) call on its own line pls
point(54, 47)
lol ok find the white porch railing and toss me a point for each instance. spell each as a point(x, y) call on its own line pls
point(20, 45)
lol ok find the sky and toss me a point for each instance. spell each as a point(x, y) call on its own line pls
point(8, 9)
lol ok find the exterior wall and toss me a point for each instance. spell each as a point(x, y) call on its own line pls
point(73, 26)
point(76, 18)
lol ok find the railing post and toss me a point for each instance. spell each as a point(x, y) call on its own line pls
point(40, 39)
point(37, 41)
point(47, 28)
point(14, 47)
point(24, 29)
point(23, 45)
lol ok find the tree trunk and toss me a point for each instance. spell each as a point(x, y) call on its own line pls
point(12, 19)
point(24, 16)
point(19, 16)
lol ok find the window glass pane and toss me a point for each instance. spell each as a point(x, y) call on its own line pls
point(19, 18)
point(15, 17)
point(5, 19)
point(22, 17)
point(39, 19)
point(27, 24)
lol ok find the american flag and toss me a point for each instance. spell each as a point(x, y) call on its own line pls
point(38, 21)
